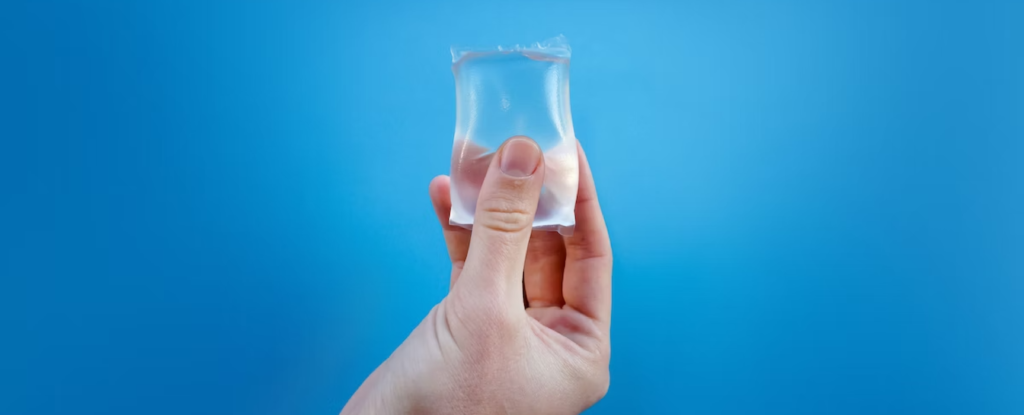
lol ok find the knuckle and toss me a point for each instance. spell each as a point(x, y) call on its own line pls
point(504, 215)
point(582, 247)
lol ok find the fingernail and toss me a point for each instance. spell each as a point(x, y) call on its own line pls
point(520, 157)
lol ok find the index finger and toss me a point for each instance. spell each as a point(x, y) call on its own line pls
point(455, 238)
point(587, 282)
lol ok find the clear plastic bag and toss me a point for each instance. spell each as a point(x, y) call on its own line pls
point(506, 92)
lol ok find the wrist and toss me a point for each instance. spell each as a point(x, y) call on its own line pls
point(389, 392)
point(379, 394)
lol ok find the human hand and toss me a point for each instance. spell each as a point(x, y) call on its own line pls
point(487, 347)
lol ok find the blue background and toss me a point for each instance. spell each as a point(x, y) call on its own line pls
point(221, 207)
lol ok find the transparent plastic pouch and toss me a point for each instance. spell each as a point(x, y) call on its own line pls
point(512, 91)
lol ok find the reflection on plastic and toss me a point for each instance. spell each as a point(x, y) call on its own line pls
point(505, 92)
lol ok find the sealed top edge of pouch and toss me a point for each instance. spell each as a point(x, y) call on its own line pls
point(557, 47)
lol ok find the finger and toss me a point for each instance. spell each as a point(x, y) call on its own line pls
point(587, 285)
point(455, 238)
point(470, 162)
point(542, 274)
point(503, 221)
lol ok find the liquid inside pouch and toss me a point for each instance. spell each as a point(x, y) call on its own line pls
point(512, 91)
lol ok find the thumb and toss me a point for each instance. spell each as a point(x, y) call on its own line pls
point(503, 221)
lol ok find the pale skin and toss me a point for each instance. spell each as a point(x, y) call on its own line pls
point(483, 349)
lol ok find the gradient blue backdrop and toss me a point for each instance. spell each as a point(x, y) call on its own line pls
point(221, 207)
